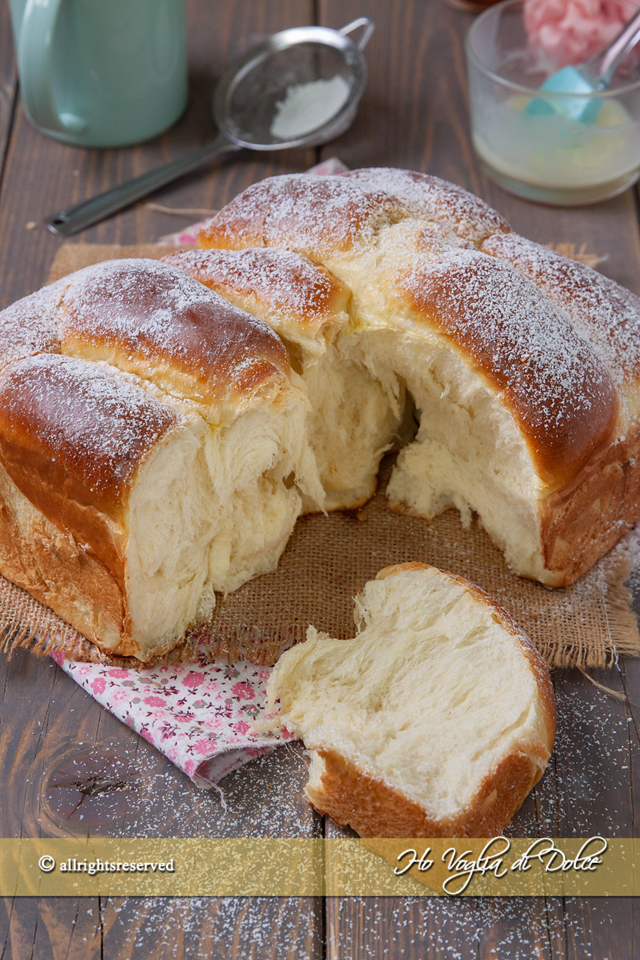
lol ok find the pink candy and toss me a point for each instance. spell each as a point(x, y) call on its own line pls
point(571, 31)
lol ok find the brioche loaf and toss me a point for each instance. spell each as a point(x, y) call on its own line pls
point(436, 720)
point(522, 365)
point(152, 451)
point(178, 469)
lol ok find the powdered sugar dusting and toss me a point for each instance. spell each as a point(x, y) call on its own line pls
point(464, 213)
point(285, 283)
point(491, 928)
point(30, 325)
point(96, 422)
point(312, 215)
point(559, 389)
point(601, 311)
point(308, 106)
point(155, 314)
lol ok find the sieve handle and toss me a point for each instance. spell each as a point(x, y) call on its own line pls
point(85, 214)
point(369, 26)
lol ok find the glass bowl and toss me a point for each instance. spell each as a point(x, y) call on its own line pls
point(540, 145)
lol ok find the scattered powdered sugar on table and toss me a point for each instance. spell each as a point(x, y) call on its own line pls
point(308, 106)
point(492, 928)
point(506, 928)
point(249, 928)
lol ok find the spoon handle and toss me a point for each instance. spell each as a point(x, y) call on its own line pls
point(85, 214)
point(613, 55)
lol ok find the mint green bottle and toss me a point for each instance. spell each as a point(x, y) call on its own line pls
point(101, 73)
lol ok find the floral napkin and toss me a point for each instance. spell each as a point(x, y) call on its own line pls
point(198, 714)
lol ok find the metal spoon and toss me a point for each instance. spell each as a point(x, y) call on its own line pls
point(248, 105)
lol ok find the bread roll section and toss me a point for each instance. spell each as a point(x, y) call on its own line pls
point(325, 321)
point(353, 420)
point(106, 513)
point(521, 366)
point(436, 720)
point(467, 216)
point(154, 449)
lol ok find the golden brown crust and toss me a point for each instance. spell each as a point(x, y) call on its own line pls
point(152, 320)
point(461, 211)
point(580, 523)
point(75, 434)
point(356, 793)
point(311, 215)
point(30, 325)
point(353, 796)
point(592, 482)
point(602, 311)
point(280, 286)
point(77, 431)
point(549, 378)
point(63, 571)
point(55, 567)
point(373, 808)
point(215, 353)
point(73, 438)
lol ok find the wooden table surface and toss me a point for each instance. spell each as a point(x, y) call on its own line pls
point(413, 114)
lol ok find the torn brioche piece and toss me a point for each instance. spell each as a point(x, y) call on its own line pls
point(436, 720)
point(150, 319)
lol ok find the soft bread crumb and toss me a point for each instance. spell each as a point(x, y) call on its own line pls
point(439, 705)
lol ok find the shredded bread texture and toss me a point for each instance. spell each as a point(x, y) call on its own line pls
point(520, 366)
point(345, 316)
point(436, 719)
point(153, 451)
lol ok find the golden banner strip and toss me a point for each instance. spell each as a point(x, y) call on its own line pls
point(593, 867)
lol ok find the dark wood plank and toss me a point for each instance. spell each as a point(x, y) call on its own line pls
point(62, 725)
point(7, 81)
point(54, 927)
point(245, 928)
point(414, 114)
point(42, 732)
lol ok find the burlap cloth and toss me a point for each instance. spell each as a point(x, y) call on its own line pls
point(329, 559)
